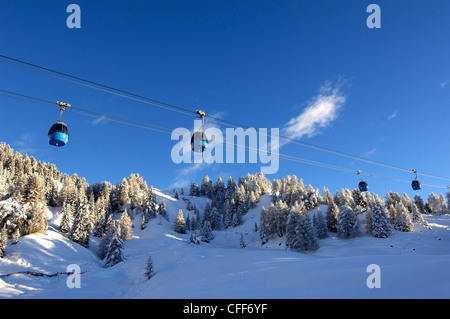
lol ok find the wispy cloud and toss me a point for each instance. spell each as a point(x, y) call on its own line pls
point(370, 152)
point(444, 84)
point(98, 120)
point(185, 175)
point(319, 113)
point(393, 115)
point(25, 143)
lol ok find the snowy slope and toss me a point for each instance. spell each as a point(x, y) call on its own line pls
point(413, 265)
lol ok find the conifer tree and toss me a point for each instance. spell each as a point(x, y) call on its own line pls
point(66, 220)
point(110, 232)
point(419, 203)
point(299, 233)
point(180, 224)
point(348, 226)
point(162, 210)
point(149, 271)
point(377, 222)
point(417, 217)
point(332, 216)
point(206, 187)
point(35, 205)
point(82, 225)
point(262, 234)
point(143, 222)
point(3, 241)
point(114, 253)
point(434, 204)
point(242, 241)
point(149, 205)
point(15, 236)
point(125, 226)
point(206, 232)
point(443, 205)
point(320, 225)
point(122, 192)
point(402, 221)
point(194, 190)
point(193, 238)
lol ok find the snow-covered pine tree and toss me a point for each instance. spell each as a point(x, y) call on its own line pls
point(35, 205)
point(262, 234)
point(216, 219)
point(419, 203)
point(188, 223)
point(228, 214)
point(242, 241)
point(377, 222)
point(125, 226)
point(194, 190)
point(149, 271)
point(82, 225)
point(15, 236)
point(299, 233)
point(3, 241)
point(162, 210)
point(218, 193)
point(114, 253)
point(320, 225)
point(34, 190)
point(110, 231)
point(180, 224)
point(359, 200)
point(143, 222)
point(402, 221)
point(434, 204)
point(206, 234)
point(348, 225)
point(122, 192)
point(417, 217)
point(206, 187)
point(444, 207)
point(331, 216)
point(194, 238)
point(149, 205)
point(448, 201)
point(406, 202)
point(66, 220)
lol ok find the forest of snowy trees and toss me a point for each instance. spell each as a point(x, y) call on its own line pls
point(288, 214)
point(29, 187)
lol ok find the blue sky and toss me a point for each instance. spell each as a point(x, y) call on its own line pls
point(313, 69)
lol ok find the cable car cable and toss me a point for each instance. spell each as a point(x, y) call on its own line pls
point(192, 113)
point(147, 126)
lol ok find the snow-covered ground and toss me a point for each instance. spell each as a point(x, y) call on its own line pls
point(413, 265)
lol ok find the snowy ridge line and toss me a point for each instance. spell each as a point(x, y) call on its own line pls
point(40, 274)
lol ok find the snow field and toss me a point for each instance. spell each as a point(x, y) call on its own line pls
point(413, 265)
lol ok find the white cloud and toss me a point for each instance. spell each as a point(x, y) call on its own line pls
point(393, 115)
point(320, 112)
point(371, 152)
point(98, 120)
point(185, 175)
point(443, 84)
point(25, 144)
